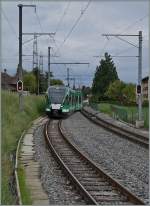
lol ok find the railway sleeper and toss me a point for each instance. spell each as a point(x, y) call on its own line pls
point(98, 188)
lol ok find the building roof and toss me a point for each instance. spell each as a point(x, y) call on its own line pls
point(7, 79)
point(145, 79)
point(8, 82)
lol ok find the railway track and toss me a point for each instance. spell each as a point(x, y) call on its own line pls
point(94, 185)
point(137, 138)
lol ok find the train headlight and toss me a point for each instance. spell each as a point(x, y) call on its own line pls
point(65, 110)
point(48, 110)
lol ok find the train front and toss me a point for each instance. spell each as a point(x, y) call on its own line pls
point(55, 97)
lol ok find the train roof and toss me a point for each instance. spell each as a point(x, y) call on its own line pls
point(66, 88)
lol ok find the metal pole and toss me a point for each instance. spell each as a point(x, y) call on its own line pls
point(20, 55)
point(38, 70)
point(74, 84)
point(68, 77)
point(140, 77)
point(49, 48)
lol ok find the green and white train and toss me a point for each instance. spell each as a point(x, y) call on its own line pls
point(62, 100)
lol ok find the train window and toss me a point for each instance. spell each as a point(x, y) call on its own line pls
point(56, 95)
point(67, 100)
point(76, 99)
point(73, 99)
point(79, 99)
point(70, 99)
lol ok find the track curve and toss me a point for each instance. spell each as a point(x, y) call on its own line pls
point(94, 185)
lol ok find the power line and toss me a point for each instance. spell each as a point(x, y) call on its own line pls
point(75, 24)
point(126, 28)
point(62, 17)
point(136, 22)
point(39, 22)
point(11, 27)
point(123, 51)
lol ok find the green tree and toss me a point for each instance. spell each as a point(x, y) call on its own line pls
point(129, 92)
point(56, 82)
point(29, 82)
point(105, 74)
point(86, 91)
point(122, 92)
point(115, 91)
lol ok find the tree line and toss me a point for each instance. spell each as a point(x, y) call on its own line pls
point(108, 87)
point(37, 80)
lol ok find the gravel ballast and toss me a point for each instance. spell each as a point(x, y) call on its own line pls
point(124, 160)
point(58, 188)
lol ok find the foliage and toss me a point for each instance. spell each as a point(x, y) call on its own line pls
point(37, 77)
point(86, 91)
point(26, 197)
point(56, 82)
point(129, 92)
point(29, 81)
point(145, 103)
point(114, 91)
point(105, 74)
point(122, 92)
point(13, 124)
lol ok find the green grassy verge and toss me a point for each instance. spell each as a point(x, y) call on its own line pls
point(13, 124)
point(131, 111)
point(26, 197)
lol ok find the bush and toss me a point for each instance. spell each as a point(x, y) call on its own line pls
point(145, 103)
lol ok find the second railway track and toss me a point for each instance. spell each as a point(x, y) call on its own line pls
point(94, 185)
point(134, 137)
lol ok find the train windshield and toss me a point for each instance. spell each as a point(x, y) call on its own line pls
point(56, 95)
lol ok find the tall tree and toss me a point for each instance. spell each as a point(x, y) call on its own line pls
point(104, 75)
point(56, 82)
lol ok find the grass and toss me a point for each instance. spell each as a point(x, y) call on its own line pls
point(13, 124)
point(131, 111)
point(26, 197)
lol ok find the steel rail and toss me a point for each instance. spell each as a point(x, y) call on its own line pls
point(85, 194)
point(101, 173)
point(137, 138)
point(121, 188)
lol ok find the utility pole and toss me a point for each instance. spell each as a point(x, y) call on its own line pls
point(140, 121)
point(49, 55)
point(35, 60)
point(20, 52)
point(74, 86)
point(41, 63)
point(70, 63)
point(68, 83)
point(35, 52)
point(20, 56)
point(140, 75)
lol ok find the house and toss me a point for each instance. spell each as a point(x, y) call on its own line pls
point(144, 84)
point(8, 82)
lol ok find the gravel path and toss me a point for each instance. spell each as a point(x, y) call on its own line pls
point(54, 182)
point(124, 160)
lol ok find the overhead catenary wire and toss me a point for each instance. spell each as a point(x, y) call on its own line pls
point(75, 24)
point(9, 23)
point(126, 28)
point(62, 17)
point(39, 22)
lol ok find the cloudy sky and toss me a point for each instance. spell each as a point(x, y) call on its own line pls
point(79, 26)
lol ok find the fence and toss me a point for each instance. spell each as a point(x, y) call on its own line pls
point(122, 114)
point(125, 114)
